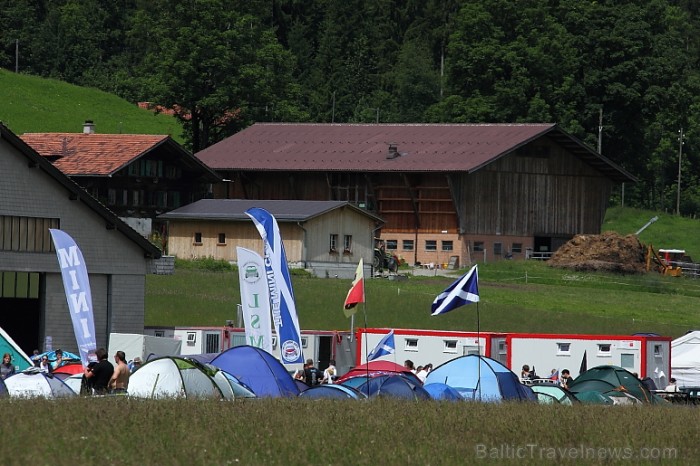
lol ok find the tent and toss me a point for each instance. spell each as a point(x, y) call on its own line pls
point(230, 386)
point(332, 391)
point(441, 391)
point(32, 384)
point(481, 378)
point(19, 357)
point(69, 368)
point(375, 368)
point(172, 377)
point(394, 386)
point(558, 394)
point(258, 369)
point(605, 379)
point(685, 359)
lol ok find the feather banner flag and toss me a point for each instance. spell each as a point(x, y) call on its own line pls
point(255, 299)
point(76, 284)
point(356, 294)
point(279, 283)
point(385, 346)
point(463, 291)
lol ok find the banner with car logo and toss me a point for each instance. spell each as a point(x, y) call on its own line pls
point(77, 287)
point(255, 299)
point(279, 283)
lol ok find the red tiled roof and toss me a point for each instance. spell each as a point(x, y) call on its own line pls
point(364, 147)
point(80, 154)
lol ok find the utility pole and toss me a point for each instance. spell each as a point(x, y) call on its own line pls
point(680, 158)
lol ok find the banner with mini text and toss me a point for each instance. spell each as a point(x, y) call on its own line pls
point(77, 287)
point(279, 283)
point(255, 299)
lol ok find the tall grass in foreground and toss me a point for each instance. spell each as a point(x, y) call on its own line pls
point(116, 430)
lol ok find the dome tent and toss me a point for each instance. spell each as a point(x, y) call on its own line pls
point(257, 369)
point(172, 377)
point(441, 391)
point(32, 384)
point(607, 379)
point(332, 391)
point(395, 386)
point(481, 378)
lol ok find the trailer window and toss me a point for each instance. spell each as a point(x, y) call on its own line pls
point(411, 344)
point(658, 351)
point(450, 346)
point(304, 342)
point(604, 349)
point(563, 348)
point(627, 361)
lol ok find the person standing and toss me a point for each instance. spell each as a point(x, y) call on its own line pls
point(7, 368)
point(330, 373)
point(312, 375)
point(45, 365)
point(100, 374)
point(566, 379)
point(119, 383)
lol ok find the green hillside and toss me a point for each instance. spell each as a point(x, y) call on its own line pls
point(669, 231)
point(30, 104)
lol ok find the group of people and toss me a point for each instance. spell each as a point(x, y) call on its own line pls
point(421, 371)
point(103, 377)
point(311, 375)
point(564, 379)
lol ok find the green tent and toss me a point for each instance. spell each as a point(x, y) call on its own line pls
point(604, 379)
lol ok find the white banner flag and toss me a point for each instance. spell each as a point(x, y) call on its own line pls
point(255, 299)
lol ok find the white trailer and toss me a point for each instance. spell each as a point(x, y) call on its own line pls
point(645, 354)
point(142, 346)
point(430, 346)
point(319, 345)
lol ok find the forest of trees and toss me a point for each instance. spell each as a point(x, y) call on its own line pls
point(632, 64)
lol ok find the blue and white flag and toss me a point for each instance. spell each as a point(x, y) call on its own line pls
point(77, 287)
point(463, 291)
point(279, 283)
point(385, 346)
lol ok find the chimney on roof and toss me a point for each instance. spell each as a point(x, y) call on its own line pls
point(393, 151)
point(88, 127)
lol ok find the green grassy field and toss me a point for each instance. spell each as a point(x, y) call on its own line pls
point(34, 105)
point(516, 296)
point(120, 431)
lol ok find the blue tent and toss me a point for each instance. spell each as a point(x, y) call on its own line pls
point(441, 391)
point(393, 386)
point(257, 369)
point(332, 391)
point(481, 378)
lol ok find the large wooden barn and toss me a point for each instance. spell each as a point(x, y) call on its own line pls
point(36, 196)
point(477, 192)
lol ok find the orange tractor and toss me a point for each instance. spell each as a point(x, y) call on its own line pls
point(666, 261)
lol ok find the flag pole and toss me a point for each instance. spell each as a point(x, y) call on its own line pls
point(364, 310)
point(478, 349)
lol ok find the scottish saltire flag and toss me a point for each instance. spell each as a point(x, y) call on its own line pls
point(463, 291)
point(255, 299)
point(77, 287)
point(385, 346)
point(279, 284)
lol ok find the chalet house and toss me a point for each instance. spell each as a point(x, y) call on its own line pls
point(36, 196)
point(137, 176)
point(477, 192)
point(328, 237)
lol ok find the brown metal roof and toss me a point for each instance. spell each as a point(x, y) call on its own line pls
point(366, 147)
point(234, 209)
